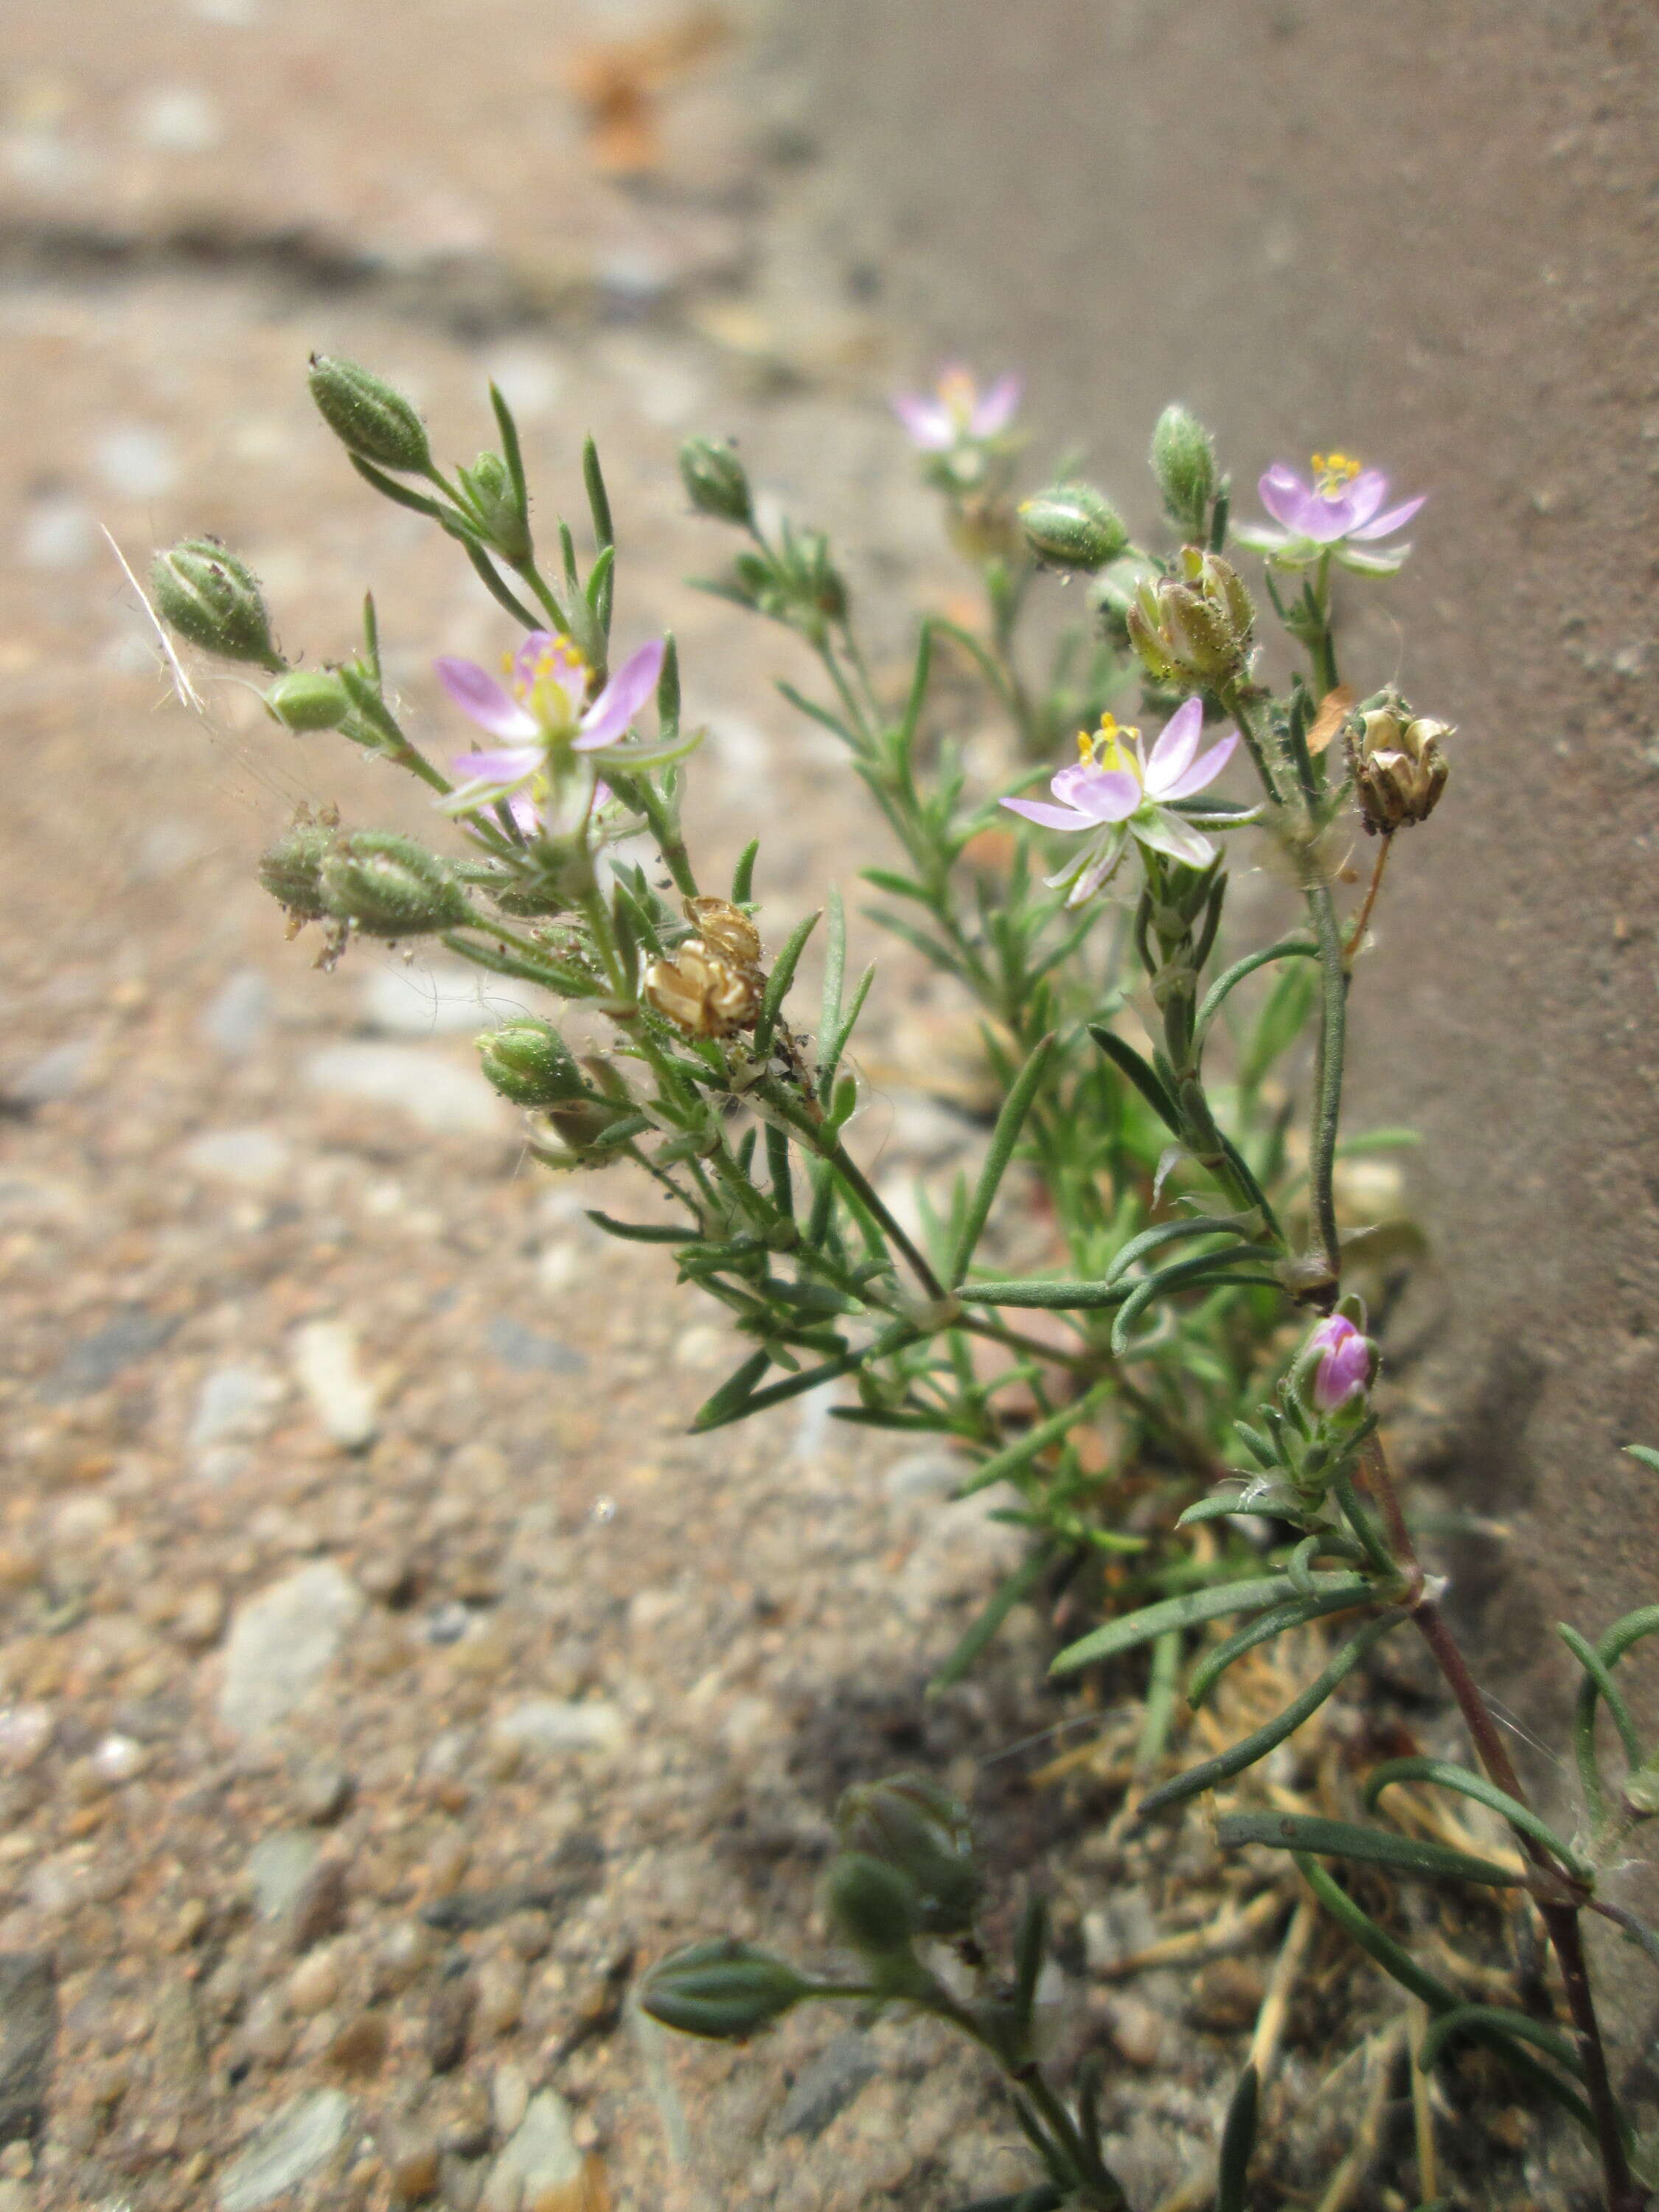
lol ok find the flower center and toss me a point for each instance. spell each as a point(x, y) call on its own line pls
point(1334, 473)
point(958, 396)
point(552, 687)
point(1114, 748)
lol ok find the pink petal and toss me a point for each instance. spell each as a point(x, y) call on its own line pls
point(1205, 769)
point(928, 424)
point(507, 764)
point(526, 815)
point(621, 698)
point(1364, 495)
point(1286, 498)
point(996, 410)
point(1098, 870)
point(1051, 817)
point(1168, 833)
point(1395, 519)
point(1105, 795)
point(525, 660)
point(482, 701)
point(1177, 742)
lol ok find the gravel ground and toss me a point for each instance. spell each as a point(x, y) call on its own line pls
point(385, 1672)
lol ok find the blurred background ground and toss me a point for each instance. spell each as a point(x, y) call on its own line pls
point(384, 1669)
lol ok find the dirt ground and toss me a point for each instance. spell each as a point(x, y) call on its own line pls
point(385, 1672)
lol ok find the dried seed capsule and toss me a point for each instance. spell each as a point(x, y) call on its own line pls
point(1399, 770)
point(702, 993)
point(725, 929)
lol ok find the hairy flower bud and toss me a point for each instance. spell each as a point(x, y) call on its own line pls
point(716, 482)
point(1183, 461)
point(368, 418)
point(529, 1062)
point(703, 993)
point(911, 1823)
point(387, 885)
point(1074, 526)
point(291, 869)
point(725, 929)
point(309, 699)
point(725, 1989)
point(495, 502)
point(874, 1907)
point(1399, 769)
point(1193, 628)
point(213, 599)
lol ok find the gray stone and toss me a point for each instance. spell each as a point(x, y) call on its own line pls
point(256, 1157)
point(279, 1866)
point(528, 1351)
point(281, 1642)
point(237, 1016)
point(57, 1073)
point(828, 2085)
point(324, 1355)
point(178, 2054)
point(232, 1404)
point(28, 2030)
point(542, 2155)
point(292, 2144)
point(555, 1724)
point(96, 1360)
point(451, 1100)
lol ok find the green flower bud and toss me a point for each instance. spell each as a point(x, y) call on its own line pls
point(389, 886)
point(725, 1988)
point(368, 418)
point(1074, 526)
point(911, 1823)
point(212, 599)
point(716, 480)
point(1183, 461)
point(309, 699)
point(530, 1063)
point(488, 486)
point(874, 1906)
point(291, 869)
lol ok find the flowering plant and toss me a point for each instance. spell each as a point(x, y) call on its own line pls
point(1195, 1298)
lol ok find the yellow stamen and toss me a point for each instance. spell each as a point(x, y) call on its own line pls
point(1333, 471)
point(959, 394)
point(1110, 747)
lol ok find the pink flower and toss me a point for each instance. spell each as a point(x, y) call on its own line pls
point(1341, 510)
point(540, 713)
point(957, 412)
point(1344, 1363)
point(1115, 793)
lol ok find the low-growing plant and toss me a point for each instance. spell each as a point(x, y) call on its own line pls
point(1187, 1435)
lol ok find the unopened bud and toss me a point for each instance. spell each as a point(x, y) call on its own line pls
point(874, 1906)
point(213, 599)
point(725, 929)
point(716, 482)
point(1399, 770)
point(1074, 526)
point(726, 1990)
point(911, 1823)
point(309, 699)
point(387, 885)
point(529, 1062)
point(368, 418)
point(291, 869)
point(1183, 461)
point(495, 502)
point(703, 993)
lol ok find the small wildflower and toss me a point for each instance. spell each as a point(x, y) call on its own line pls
point(1337, 512)
point(1344, 1368)
point(957, 412)
point(540, 715)
point(1115, 792)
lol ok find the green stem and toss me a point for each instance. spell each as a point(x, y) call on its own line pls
point(1328, 1074)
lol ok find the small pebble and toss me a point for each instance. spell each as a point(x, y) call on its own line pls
point(412, 2168)
point(319, 1904)
point(314, 1984)
point(509, 2097)
point(501, 1986)
point(321, 1790)
point(201, 1616)
point(1137, 2031)
point(360, 2047)
point(118, 1758)
point(1226, 1995)
point(325, 1361)
point(405, 1952)
point(449, 2023)
point(529, 1932)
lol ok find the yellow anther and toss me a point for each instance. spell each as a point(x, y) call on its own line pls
point(1333, 471)
point(1110, 745)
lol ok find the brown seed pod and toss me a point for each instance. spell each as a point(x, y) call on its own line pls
point(1400, 771)
point(725, 929)
point(703, 993)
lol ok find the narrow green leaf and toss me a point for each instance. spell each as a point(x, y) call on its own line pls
point(1495, 2024)
point(830, 1047)
point(1003, 1138)
point(743, 876)
point(802, 705)
point(1237, 2141)
point(918, 693)
point(1183, 1274)
point(668, 686)
point(598, 500)
point(1171, 1232)
point(599, 578)
point(1018, 1290)
point(1246, 1752)
point(1030, 1950)
point(1444, 1774)
point(1024, 1449)
point(1598, 1682)
point(898, 886)
point(1394, 1959)
point(1130, 1063)
point(834, 963)
point(1187, 1610)
point(1289, 948)
point(731, 1400)
point(778, 982)
point(504, 599)
point(1646, 1454)
point(940, 955)
point(510, 451)
point(1346, 1839)
point(1295, 1612)
point(639, 1232)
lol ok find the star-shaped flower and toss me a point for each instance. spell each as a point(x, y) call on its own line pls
point(1337, 513)
point(957, 411)
point(542, 715)
point(1115, 792)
